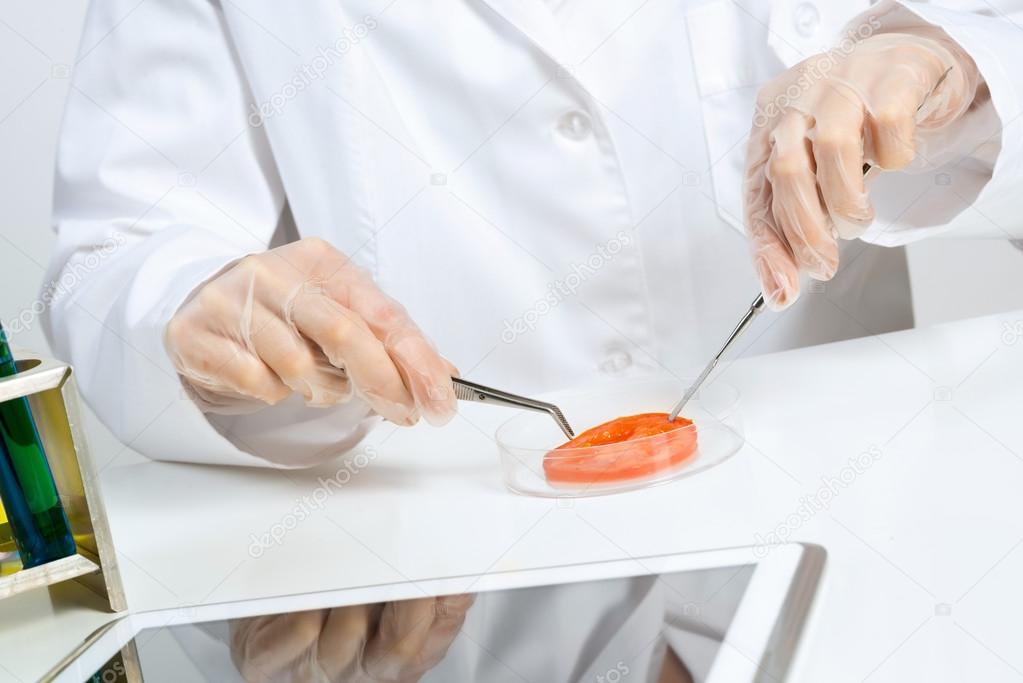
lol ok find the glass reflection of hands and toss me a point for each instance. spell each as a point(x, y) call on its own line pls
point(396, 642)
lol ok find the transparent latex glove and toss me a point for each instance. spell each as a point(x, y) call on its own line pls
point(393, 642)
point(819, 122)
point(303, 318)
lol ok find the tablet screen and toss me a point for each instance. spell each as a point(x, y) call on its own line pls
point(660, 628)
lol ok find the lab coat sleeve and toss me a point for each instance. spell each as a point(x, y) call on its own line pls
point(976, 190)
point(162, 180)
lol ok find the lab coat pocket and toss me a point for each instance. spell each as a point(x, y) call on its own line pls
point(736, 50)
point(731, 60)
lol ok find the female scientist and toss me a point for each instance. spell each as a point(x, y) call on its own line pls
point(550, 191)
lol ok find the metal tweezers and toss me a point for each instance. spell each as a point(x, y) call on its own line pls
point(470, 391)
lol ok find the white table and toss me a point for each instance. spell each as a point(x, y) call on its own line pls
point(924, 541)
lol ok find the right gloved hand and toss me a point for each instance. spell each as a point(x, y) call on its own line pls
point(303, 318)
point(883, 101)
point(392, 642)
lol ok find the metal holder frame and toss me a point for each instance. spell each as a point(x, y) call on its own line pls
point(50, 388)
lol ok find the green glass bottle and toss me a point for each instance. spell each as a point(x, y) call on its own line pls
point(38, 522)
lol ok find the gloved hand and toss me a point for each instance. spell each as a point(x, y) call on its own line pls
point(303, 318)
point(816, 125)
point(396, 642)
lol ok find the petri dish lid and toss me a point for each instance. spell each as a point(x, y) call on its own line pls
point(531, 465)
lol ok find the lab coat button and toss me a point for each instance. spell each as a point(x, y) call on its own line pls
point(575, 125)
point(806, 18)
point(615, 362)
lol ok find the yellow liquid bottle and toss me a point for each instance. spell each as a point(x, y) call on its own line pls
point(6, 540)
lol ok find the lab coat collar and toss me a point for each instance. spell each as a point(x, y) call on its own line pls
point(536, 22)
point(797, 29)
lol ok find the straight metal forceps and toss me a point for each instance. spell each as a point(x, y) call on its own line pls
point(470, 391)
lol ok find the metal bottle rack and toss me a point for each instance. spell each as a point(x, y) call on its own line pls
point(50, 388)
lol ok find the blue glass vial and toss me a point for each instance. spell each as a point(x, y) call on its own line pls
point(37, 518)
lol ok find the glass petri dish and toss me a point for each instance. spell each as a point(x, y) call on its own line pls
point(526, 442)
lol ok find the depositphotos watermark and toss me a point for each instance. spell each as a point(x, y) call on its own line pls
point(813, 71)
point(111, 673)
point(559, 290)
point(1012, 332)
point(312, 71)
point(72, 275)
point(306, 505)
point(615, 674)
point(818, 501)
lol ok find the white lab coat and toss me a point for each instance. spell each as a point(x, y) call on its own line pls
point(476, 163)
point(436, 144)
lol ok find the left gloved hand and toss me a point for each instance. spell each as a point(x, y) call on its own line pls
point(392, 642)
point(818, 123)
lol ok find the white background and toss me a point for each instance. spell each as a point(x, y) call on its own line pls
point(38, 41)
